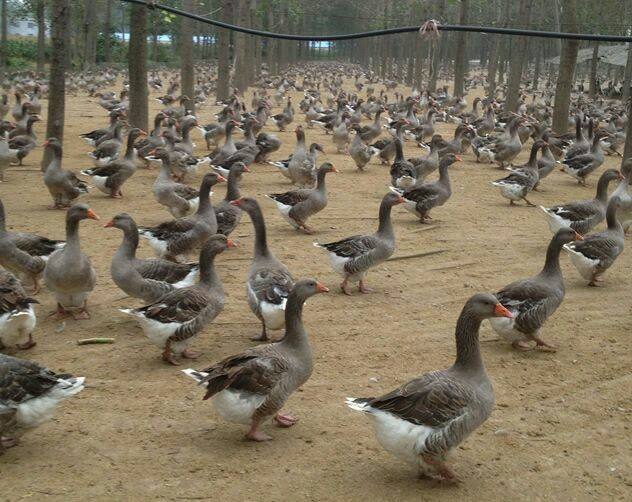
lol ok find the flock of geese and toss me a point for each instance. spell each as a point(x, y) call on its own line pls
point(421, 421)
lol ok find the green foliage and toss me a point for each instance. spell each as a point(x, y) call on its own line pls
point(22, 52)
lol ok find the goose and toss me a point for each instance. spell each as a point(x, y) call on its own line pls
point(25, 254)
point(580, 166)
point(110, 178)
point(147, 279)
point(269, 281)
point(622, 192)
point(354, 256)
point(7, 154)
point(532, 301)
point(583, 215)
point(29, 395)
point(94, 137)
point(179, 199)
point(426, 165)
point(302, 166)
point(174, 239)
point(108, 149)
point(424, 420)
point(267, 143)
point(252, 387)
point(174, 320)
point(69, 274)
point(297, 206)
point(421, 199)
point(597, 252)
point(504, 151)
point(229, 215)
point(403, 172)
point(17, 317)
point(359, 151)
point(521, 181)
point(25, 143)
point(63, 185)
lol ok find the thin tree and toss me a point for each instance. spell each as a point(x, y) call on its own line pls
point(40, 15)
point(519, 55)
point(107, 29)
point(3, 39)
point(187, 71)
point(60, 17)
point(223, 57)
point(460, 61)
point(568, 60)
point(137, 67)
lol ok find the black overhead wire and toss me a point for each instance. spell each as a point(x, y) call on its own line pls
point(388, 31)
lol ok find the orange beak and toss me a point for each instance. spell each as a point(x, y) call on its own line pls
point(92, 215)
point(220, 178)
point(45, 143)
point(334, 170)
point(578, 237)
point(235, 202)
point(321, 288)
point(458, 158)
point(246, 170)
point(143, 133)
point(109, 224)
point(230, 243)
point(620, 177)
point(500, 311)
point(401, 200)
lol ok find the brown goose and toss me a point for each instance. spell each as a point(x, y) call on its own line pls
point(522, 180)
point(25, 143)
point(17, 317)
point(430, 163)
point(110, 177)
point(532, 301)
point(29, 394)
point(420, 200)
point(147, 279)
point(359, 151)
point(580, 166)
point(25, 254)
point(403, 172)
point(505, 150)
point(424, 420)
point(179, 199)
point(596, 253)
point(174, 239)
point(252, 387)
point(297, 206)
point(63, 185)
point(269, 281)
point(228, 215)
point(354, 256)
point(69, 273)
point(175, 320)
point(582, 215)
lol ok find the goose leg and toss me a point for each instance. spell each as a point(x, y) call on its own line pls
point(442, 469)
point(189, 354)
point(596, 281)
point(344, 286)
point(254, 434)
point(529, 203)
point(363, 289)
point(82, 313)
point(167, 355)
point(29, 344)
point(284, 420)
point(36, 286)
point(263, 337)
point(521, 345)
point(60, 313)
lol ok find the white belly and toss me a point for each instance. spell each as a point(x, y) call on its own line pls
point(285, 212)
point(504, 327)
point(36, 411)
point(411, 205)
point(99, 182)
point(189, 280)
point(584, 265)
point(17, 326)
point(237, 407)
point(510, 191)
point(555, 221)
point(159, 332)
point(70, 301)
point(273, 315)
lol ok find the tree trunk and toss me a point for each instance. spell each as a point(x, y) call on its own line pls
point(41, 35)
point(90, 34)
point(518, 59)
point(60, 17)
point(592, 85)
point(106, 30)
point(568, 61)
point(187, 72)
point(3, 39)
point(137, 64)
point(223, 47)
point(538, 65)
point(241, 54)
point(460, 61)
point(627, 84)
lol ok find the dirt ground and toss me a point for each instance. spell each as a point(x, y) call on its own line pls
point(560, 429)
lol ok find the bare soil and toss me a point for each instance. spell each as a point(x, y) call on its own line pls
point(140, 430)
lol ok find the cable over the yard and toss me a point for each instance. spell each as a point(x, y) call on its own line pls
point(490, 30)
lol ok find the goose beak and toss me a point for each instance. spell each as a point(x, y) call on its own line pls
point(401, 200)
point(620, 176)
point(458, 158)
point(334, 170)
point(235, 202)
point(500, 311)
point(321, 288)
point(92, 215)
point(109, 224)
point(230, 243)
point(220, 178)
point(246, 169)
point(578, 237)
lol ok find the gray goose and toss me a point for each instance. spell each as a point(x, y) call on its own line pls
point(580, 166)
point(110, 177)
point(229, 215)
point(420, 200)
point(25, 254)
point(623, 193)
point(269, 281)
point(522, 180)
point(179, 199)
point(354, 256)
point(532, 301)
point(403, 172)
point(108, 150)
point(597, 252)
point(359, 151)
point(69, 273)
point(63, 185)
point(174, 239)
point(582, 215)
point(147, 279)
point(17, 317)
point(430, 163)
point(297, 206)
point(251, 387)
point(177, 318)
point(29, 394)
point(25, 143)
point(505, 150)
point(424, 420)
point(303, 174)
